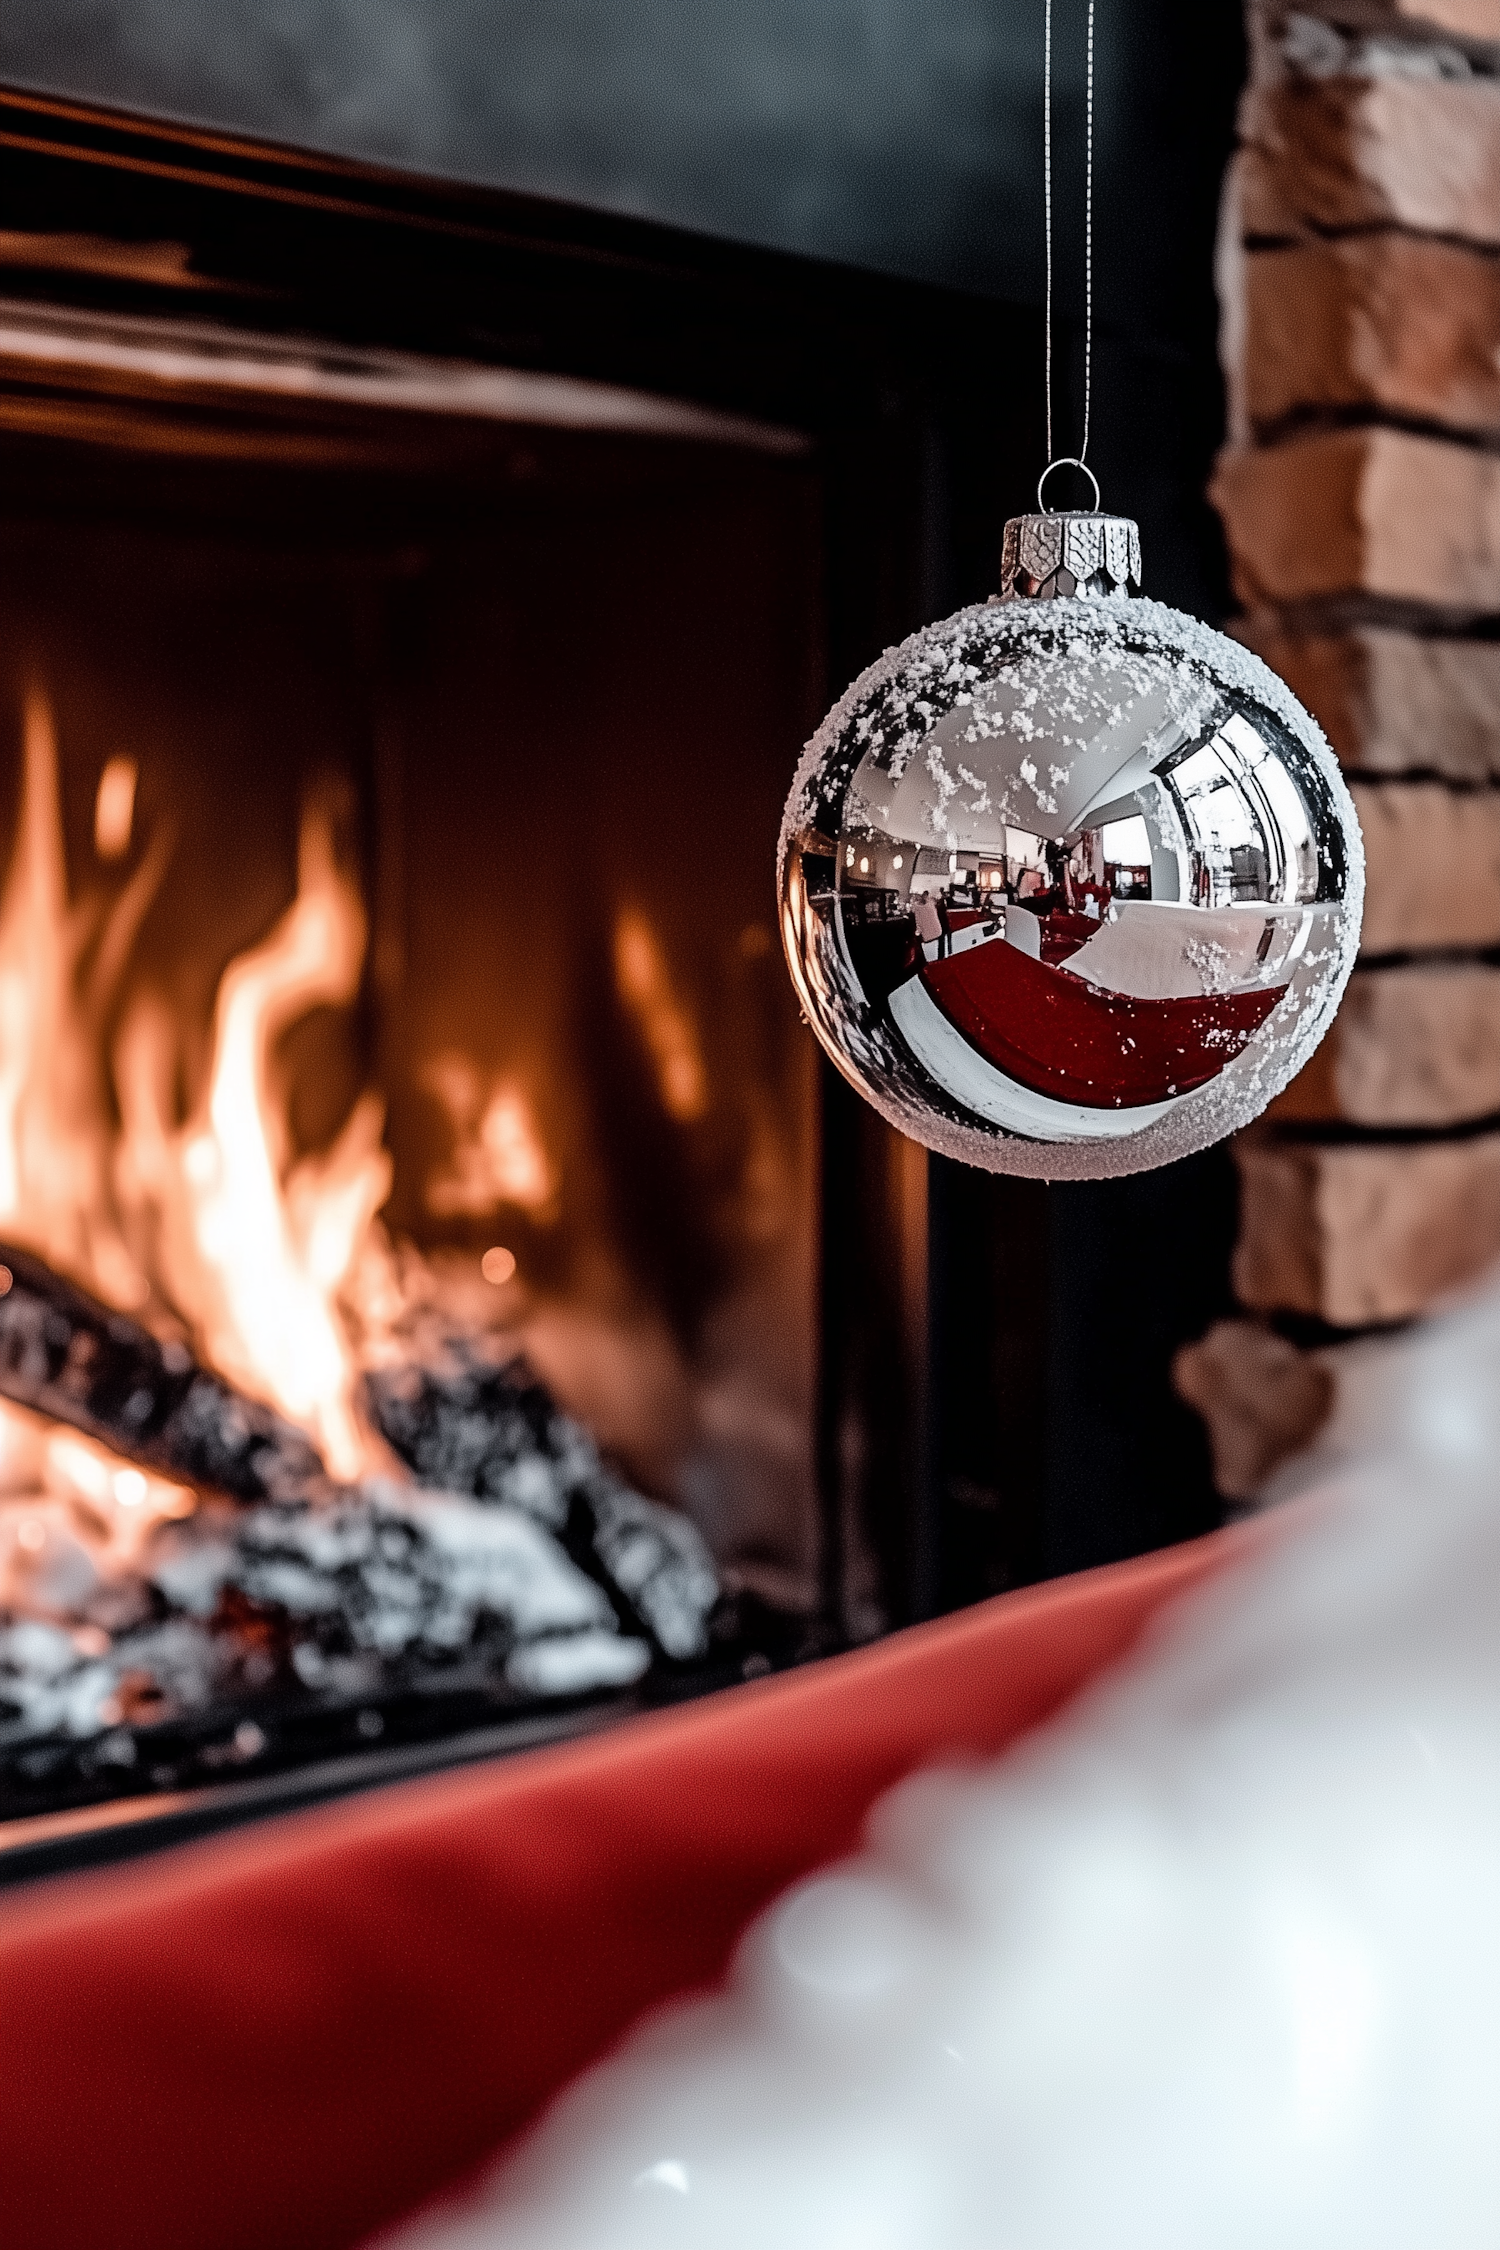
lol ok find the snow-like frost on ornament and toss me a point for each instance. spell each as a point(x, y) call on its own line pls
point(1069, 887)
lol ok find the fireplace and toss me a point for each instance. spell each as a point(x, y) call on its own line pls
point(414, 602)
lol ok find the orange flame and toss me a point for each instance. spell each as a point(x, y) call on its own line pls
point(498, 1155)
point(59, 968)
point(254, 1255)
point(644, 983)
point(211, 1217)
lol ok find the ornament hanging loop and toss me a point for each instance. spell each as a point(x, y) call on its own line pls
point(1065, 461)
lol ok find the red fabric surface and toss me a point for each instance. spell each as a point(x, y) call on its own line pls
point(289, 2036)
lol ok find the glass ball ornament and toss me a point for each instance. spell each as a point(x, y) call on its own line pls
point(1070, 884)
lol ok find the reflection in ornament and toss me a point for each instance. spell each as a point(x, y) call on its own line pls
point(1070, 884)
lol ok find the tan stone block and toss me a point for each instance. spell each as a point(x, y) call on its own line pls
point(1469, 19)
point(1313, 1095)
point(1432, 866)
point(1372, 511)
point(1355, 1235)
point(1390, 321)
point(1263, 213)
point(1417, 1044)
point(1260, 1398)
point(1462, 19)
point(1345, 153)
point(1392, 703)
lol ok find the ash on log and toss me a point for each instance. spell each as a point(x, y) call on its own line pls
point(65, 1354)
point(464, 1424)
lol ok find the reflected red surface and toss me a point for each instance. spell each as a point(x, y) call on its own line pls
point(1063, 1036)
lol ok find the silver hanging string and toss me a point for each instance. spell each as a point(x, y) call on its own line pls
point(1047, 207)
point(1088, 242)
point(1078, 460)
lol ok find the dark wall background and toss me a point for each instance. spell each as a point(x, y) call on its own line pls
point(899, 134)
point(903, 136)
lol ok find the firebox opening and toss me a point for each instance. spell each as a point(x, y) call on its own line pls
point(387, 995)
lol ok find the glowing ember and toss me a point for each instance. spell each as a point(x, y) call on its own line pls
point(72, 1513)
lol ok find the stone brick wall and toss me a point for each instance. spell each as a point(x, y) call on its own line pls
point(1360, 494)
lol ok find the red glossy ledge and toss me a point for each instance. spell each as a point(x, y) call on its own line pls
point(290, 2036)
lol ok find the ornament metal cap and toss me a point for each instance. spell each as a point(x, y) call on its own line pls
point(1057, 556)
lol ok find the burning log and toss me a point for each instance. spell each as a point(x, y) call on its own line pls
point(65, 1354)
point(257, 1636)
point(261, 1631)
point(464, 1424)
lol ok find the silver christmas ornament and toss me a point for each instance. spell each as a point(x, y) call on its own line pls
point(1070, 884)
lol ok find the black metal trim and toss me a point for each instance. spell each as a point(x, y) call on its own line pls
point(103, 1834)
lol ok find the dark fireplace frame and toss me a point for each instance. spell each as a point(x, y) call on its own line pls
point(939, 1392)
